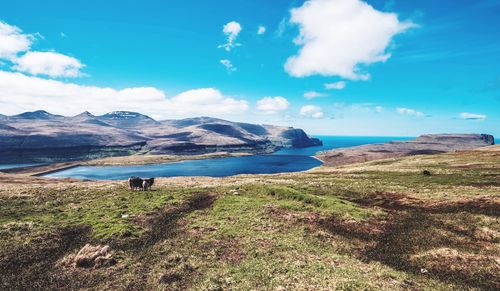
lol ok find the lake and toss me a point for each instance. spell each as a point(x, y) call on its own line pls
point(283, 161)
point(22, 165)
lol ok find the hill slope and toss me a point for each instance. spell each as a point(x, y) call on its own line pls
point(380, 225)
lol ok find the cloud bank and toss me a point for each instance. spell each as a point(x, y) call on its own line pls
point(20, 93)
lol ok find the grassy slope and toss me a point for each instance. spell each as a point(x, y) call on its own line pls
point(377, 225)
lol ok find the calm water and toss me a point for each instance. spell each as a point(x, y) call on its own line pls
point(335, 142)
point(265, 164)
point(13, 166)
point(285, 160)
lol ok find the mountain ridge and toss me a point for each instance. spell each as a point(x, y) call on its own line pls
point(40, 136)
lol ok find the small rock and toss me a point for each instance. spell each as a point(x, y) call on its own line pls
point(423, 271)
point(233, 192)
point(94, 256)
point(125, 215)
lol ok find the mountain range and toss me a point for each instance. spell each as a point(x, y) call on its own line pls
point(42, 137)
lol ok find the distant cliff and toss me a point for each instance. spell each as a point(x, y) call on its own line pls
point(425, 144)
point(43, 137)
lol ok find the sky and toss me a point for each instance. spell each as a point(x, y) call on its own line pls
point(331, 67)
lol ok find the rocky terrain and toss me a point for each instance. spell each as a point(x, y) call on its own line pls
point(424, 144)
point(43, 137)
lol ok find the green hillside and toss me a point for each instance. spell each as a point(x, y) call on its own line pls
point(376, 225)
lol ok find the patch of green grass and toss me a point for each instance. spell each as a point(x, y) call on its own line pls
point(109, 212)
point(327, 204)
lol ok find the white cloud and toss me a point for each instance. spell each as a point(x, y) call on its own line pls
point(472, 116)
point(20, 93)
point(228, 65)
point(271, 105)
point(13, 41)
point(409, 111)
point(205, 101)
point(313, 94)
point(231, 30)
point(339, 35)
point(379, 109)
point(311, 111)
point(335, 86)
point(261, 30)
point(48, 63)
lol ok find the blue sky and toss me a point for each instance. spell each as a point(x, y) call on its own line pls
point(399, 67)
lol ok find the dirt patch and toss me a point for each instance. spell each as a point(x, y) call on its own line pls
point(175, 269)
point(400, 201)
point(227, 250)
point(303, 217)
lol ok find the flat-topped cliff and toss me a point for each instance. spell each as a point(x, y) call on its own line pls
point(424, 144)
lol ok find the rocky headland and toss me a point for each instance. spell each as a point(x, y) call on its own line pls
point(424, 144)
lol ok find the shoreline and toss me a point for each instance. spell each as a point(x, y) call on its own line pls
point(137, 160)
point(65, 167)
point(132, 160)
